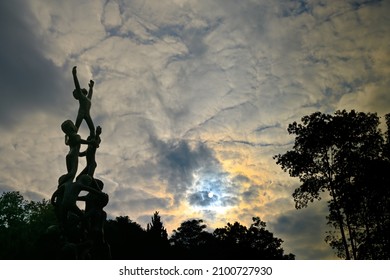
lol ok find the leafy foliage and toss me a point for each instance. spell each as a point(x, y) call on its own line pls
point(156, 228)
point(22, 223)
point(344, 155)
point(191, 240)
point(28, 230)
point(157, 237)
point(255, 242)
point(127, 239)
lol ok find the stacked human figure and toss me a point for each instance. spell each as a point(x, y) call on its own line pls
point(82, 229)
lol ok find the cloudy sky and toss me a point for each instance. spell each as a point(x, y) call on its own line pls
point(194, 98)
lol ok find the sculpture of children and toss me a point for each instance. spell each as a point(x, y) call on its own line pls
point(96, 217)
point(65, 197)
point(94, 204)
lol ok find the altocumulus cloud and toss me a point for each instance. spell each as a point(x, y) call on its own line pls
point(193, 97)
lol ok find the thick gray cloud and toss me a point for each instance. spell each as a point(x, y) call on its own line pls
point(194, 99)
point(306, 231)
point(28, 81)
point(193, 173)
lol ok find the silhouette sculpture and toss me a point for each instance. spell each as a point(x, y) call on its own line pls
point(74, 141)
point(84, 99)
point(81, 229)
point(89, 153)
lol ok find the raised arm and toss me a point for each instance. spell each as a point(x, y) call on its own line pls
point(76, 81)
point(91, 83)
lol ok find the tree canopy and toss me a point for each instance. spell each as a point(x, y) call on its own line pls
point(256, 242)
point(22, 223)
point(28, 230)
point(346, 156)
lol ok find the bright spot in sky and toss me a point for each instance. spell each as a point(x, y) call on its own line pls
point(210, 191)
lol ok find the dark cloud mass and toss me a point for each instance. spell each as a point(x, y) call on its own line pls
point(194, 174)
point(28, 81)
point(202, 198)
point(308, 229)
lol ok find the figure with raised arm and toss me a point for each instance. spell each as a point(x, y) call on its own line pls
point(84, 99)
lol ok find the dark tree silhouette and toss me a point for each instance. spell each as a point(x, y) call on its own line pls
point(156, 228)
point(157, 238)
point(335, 154)
point(127, 239)
point(234, 241)
point(191, 240)
point(29, 230)
point(239, 242)
point(22, 223)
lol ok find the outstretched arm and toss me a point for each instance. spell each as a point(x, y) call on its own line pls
point(89, 189)
point(83, 154)
point(86, 142)
point(54, 197)
point(82, 198)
